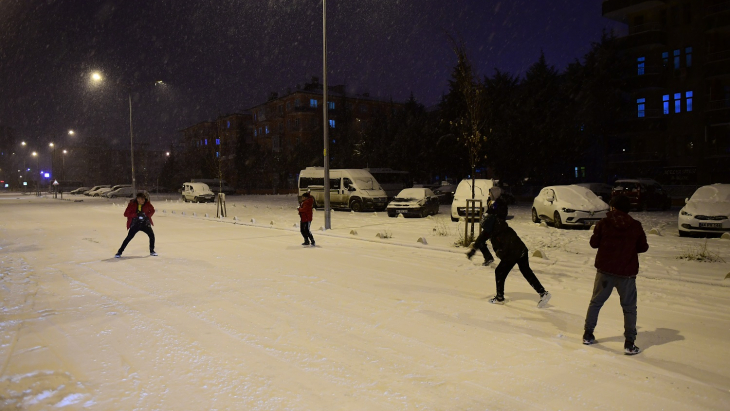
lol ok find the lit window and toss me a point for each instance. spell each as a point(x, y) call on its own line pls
point(665, 59)
point(331, 105)
point(217, 154)
point(640, 65)
point(217, 141)
point(676, 59)
point(313, 102)
point(229, 123)
point(206, 141)
point(267, 129)
point(332, 123)
point(678, 102)
point(576, 172)
point(688, 96)
point(641, 106)
point(665, 103)
point(688, 56)
point(255, 115)
point(255, 133)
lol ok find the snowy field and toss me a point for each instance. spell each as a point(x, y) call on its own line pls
point(236, 315)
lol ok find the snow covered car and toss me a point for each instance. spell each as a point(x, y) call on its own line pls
point(94, 190)
point(568, 206)
point(120, 192)
point(643, 194)
point(417, 202)
point(197, 192)
point(707, 212)
point(80, 190)
point(600, 189)
point(463, 193)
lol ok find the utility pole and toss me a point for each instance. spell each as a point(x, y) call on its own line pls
point(131, 142)
point(327, 221)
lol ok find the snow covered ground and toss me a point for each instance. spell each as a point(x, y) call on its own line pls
point(237, 315)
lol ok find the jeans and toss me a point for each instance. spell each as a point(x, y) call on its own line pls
point(602, 289)
point(305, 228)
point(505, 267)
point(133, 231)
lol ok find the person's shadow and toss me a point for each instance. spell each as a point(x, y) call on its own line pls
point(647, 339)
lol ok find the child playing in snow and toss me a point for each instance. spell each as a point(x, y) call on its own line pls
point(305, 215)
point(139, 218)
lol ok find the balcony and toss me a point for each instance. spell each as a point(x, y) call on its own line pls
point(717, 64)
point(644, 36)
point(620, 9)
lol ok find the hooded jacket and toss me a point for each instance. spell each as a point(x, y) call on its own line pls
point(619, 240)
point(506, 243)
point(131, 212)
point(305, 209)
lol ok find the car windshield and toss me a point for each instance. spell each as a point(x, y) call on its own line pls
point(712, 193)
point(410, 194)
point(365, 183)
point(481, 189)
point(577, 196)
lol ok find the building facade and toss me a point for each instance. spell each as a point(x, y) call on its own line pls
point(679, 131)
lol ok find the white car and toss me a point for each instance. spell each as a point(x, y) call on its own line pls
point(707, 212)
point(418, 202)
point(125, 191)
point(197, 192)
point(463, 192)
point(94, 190)
point(568, 206)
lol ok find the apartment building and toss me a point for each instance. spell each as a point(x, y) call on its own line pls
point(679, 82)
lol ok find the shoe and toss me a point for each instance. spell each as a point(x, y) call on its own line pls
point(471, 253)
point(630, 348)
point(117, 256)
point(487, 262)
point(313, 244)
point(305, 243)
point(497, 300)
point(589, 338)
point(544, 298)
point(153, 254)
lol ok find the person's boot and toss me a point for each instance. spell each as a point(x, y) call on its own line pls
point(630, 348)
point(471, 253)
point(588, 338)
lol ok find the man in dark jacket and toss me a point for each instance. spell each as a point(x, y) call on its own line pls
point(139, 214)
point(619, 240)
point(499, 209)
point(511, 250)
point(305, 216)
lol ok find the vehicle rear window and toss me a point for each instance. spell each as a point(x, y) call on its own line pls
point(626, 186)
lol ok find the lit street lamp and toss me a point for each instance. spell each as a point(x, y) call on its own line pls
point(53, 158)
point(63, 165)
point(38, 164)
point(71, 132)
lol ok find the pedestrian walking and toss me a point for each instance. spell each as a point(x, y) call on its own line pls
point(305, 216)
point(619, 240)
point(511, 251)
point(139, 214)
point(499, 208)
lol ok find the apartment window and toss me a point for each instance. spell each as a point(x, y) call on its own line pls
point(206, 141)
point(688, 98)
point(331, 105)
point(255, 115)
point(266, 128)
point(281, 127)
point(676, 59)
point(288, 105)
point(665, 59)
point(688, 56)
point(363, 109)
point(641, 106)
point(255, 133)
point(217, 154)
point(313, 102)
point(281, 109)
point(332, 123)
point(275, 144)
point(640, 65)
point(297, 103)
point(677, 102)
point(296, 123)
point(665, 103)
point(228, 123)
point(217, 141)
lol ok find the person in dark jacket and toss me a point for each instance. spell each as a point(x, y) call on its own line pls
point(619, 240)
point(305, 215)
point(511, 251)
point(499, 208)
point(139, 214)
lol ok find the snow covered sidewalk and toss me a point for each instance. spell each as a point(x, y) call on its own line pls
point(234, 316)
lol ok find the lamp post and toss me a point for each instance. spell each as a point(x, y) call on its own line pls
point(325, 114)
point(53, 160)
point(63, 165)
point(38, 170)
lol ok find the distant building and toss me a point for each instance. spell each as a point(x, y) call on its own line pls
point(9, 157)
point(679, 132)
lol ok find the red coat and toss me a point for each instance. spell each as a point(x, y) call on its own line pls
point(131, 211)
point(305, 209)
point(619, 240)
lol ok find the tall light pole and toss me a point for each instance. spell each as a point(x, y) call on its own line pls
point(63, 165)
point(53, 160)
point(325, 115)
point(38, 170)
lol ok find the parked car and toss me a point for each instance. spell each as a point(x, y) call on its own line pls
point(570, 205)
point(707, 212)
point(355, 189)
point(104, 190)
point(643, 193)
point(197, 192)
point(416, 202)
point(126, 192)
point(600, 189)
point(80, 190)
point(445, 192)
point(464, 192)
point(95, 189)
point(215, 185)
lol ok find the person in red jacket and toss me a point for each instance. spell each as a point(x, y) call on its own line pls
point(619, 240)
point(305, 215)
point(139, 214)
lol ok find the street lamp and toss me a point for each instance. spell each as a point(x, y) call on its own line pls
point(71, 132)
point(63, 165)
point(38, 164)
point(53, 158)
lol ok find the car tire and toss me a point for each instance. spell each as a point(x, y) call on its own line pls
point(453, 220)
point(683, 233)
point(557, 221)
point(391, 214)
point(356, 205)
point(423, 213)
point(535, 218)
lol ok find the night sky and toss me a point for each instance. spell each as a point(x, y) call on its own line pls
point(224, 56)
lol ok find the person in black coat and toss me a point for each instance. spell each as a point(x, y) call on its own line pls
point(499, 208)
point(511, 251)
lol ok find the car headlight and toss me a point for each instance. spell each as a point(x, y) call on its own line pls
point(685, 213)
point(568, 210)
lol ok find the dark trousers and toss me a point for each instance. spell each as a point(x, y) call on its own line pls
point(133, 231)
point(481, 244)
point(602, 289)
point(305, 228)
point(505, 267)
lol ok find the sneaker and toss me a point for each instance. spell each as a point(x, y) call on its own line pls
point(630, 348)
point(497, 300)
point(487, 262)
point(305, 243)
point(153, 254)
point(312, 243)
point(471, 253)
point(117, 256)
point(544, 298)
point(589, 338)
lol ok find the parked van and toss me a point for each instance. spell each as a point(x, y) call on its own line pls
point(197, 192)
point(353, 189)
point(215, 185)
point(463, 193)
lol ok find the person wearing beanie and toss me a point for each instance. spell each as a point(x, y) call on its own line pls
point(139, 214)
point(619, 240)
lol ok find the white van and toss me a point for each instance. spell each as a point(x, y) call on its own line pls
point(355, 189)
point(463, 193)
point(197, 192)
